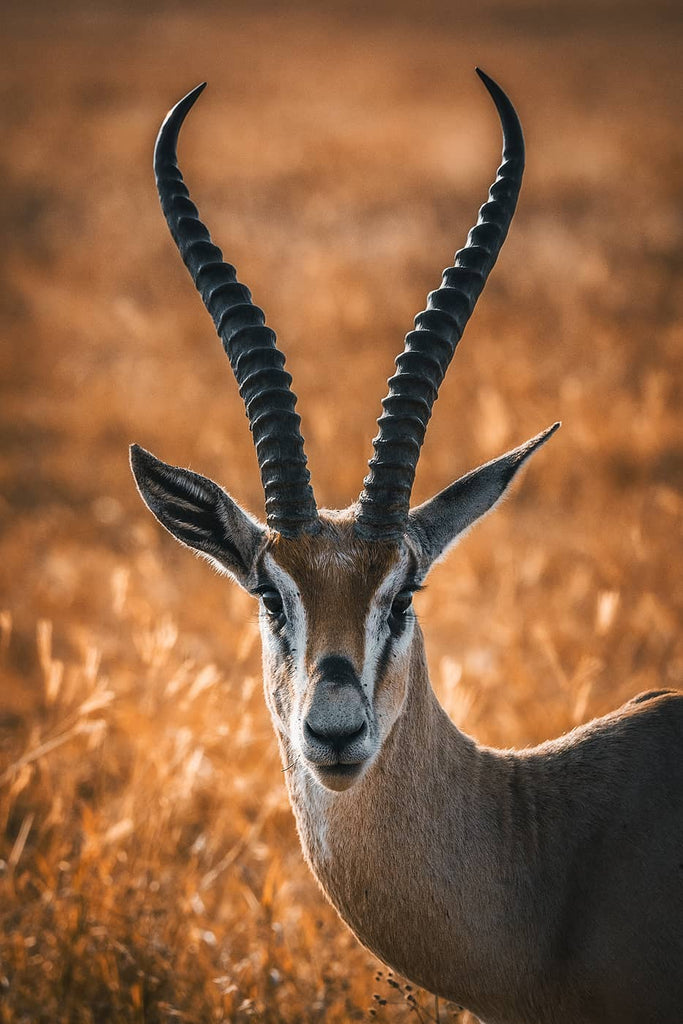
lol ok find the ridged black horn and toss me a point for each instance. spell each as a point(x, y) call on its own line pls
point(421, 367)
point(251, 347)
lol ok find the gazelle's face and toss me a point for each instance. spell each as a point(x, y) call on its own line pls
point(335, 609)
point(336, 626)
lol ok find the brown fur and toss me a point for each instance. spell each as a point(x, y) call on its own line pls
point(536, 887)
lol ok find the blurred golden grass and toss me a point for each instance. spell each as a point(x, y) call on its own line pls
point(149, 864)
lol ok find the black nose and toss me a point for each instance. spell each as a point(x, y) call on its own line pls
point(336, 722)
point(323, 734)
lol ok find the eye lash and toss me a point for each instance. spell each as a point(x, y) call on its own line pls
point(262, 585)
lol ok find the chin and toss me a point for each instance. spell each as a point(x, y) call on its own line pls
point(338, 777)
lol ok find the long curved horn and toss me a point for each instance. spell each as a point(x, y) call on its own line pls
point(384, 502)
point(250, 346)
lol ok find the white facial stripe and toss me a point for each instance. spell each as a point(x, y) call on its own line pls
point(297, 627)
point(376, 626)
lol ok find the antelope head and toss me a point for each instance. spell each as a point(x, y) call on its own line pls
point(335, 588)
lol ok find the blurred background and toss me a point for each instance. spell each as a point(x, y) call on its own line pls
point(149, 866)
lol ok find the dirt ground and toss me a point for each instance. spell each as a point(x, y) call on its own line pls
point(150, 869)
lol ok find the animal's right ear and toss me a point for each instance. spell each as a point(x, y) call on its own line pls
point(199, 514)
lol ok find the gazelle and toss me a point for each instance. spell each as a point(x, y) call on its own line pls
point(532, 887)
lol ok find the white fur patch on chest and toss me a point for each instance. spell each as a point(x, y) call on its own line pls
point(311, 805)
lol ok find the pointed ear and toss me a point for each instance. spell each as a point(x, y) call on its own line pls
point(199, 514)
point(438, 523)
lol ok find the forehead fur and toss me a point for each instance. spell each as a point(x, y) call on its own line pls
point(333, 554)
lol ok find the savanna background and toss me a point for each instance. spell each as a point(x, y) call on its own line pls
point(149, 866)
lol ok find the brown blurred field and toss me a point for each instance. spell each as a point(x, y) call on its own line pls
point(150, 868)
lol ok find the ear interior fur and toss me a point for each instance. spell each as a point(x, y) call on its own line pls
point(198, 513)
point(438, 523)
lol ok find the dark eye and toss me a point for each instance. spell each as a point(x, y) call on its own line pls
point(402, 603)
point(272, 602)
point(400, 606)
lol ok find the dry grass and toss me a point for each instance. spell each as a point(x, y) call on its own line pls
point(150, 869)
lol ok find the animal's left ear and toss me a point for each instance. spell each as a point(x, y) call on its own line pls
point(438, 523)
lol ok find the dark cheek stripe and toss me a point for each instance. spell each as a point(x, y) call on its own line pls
point(383, 662)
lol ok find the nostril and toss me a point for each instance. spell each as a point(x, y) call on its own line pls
point(335, 723)
point(337, 736)
point(311, 734)
point(360, 731)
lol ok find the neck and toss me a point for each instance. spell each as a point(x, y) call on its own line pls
point(418, 839)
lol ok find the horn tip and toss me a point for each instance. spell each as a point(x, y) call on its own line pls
point(167, 139)
point(178, 112)
point(492, 86)
point(183, 105)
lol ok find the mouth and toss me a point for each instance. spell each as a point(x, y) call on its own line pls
point(348, 770)
point(338, 776)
